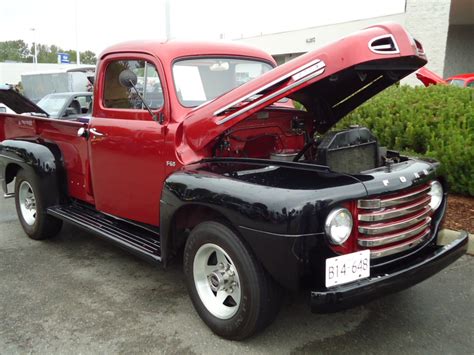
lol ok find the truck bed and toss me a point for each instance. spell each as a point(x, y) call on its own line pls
point(60, 133)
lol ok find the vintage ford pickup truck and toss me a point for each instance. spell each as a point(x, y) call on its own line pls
point(196, 150)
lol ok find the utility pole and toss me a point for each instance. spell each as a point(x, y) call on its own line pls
point(78, 55)
point(167, 20)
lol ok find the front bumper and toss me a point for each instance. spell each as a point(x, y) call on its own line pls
point(355, 293)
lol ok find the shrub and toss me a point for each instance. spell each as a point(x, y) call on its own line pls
point(436, 122)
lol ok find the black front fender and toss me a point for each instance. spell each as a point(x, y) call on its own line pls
point(275, 209)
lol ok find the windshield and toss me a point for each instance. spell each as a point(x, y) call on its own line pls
point(199, 80)
point(52, 104)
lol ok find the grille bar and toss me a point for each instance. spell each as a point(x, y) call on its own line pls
point(396, 237)
point(395, 223)
point(380, 253)
point(395, 212)
point(393, 201)
point(383, 228)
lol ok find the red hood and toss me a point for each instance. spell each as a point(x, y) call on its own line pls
point(427, 77)
point(330, 82)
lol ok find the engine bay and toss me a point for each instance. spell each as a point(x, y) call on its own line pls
point(290, 135)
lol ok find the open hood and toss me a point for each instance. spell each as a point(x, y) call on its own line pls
point(330, 82)
point(19, 103)
point(427, 77)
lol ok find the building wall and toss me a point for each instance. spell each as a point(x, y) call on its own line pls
point(459, 50)
point(428, 22)
point(307, 39)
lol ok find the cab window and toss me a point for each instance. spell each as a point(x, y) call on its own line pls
point(148, 85)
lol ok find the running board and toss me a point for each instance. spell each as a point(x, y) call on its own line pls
point(140, 240)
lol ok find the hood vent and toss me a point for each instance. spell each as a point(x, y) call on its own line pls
point(385, 44)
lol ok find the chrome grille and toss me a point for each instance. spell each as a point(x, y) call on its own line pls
point(395, 223)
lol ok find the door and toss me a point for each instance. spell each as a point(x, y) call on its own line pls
point(126, 145)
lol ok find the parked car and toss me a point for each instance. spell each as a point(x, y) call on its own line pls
point(427, 77)
point(204, 162)
point(5, 109)
point(461, 80)
point(67, 105)
point(64, 106)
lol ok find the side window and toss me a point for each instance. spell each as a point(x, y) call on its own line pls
point(148, 85)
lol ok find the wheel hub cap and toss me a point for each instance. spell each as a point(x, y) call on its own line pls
point(217, 281)
point(27, 201)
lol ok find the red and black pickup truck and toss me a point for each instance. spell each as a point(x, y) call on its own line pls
point(196, 149)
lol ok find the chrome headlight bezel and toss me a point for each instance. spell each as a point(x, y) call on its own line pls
point(338, 225)
point(437, 194)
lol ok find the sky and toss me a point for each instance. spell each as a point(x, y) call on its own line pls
point(103, 23)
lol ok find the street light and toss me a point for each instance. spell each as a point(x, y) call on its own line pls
point(35, 56)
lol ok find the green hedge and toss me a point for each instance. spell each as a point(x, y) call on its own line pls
point(436, 122)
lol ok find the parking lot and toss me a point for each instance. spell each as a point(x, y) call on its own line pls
point(76, 293)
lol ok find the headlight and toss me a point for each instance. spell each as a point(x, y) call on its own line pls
point(338, 225)
point(436, 194)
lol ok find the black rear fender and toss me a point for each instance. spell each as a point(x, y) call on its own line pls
point(41, 158)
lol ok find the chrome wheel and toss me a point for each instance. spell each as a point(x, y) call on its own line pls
point(27, 200)
point(217, 281)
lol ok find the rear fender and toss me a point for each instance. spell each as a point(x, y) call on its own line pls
point(41, 158)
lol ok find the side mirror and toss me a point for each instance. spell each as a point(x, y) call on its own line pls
point(128, 79)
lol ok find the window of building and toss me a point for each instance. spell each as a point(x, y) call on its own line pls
point(148, 85)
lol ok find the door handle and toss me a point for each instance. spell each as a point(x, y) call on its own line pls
point(83, 132)
point(95, 133)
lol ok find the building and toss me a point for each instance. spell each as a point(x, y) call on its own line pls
point(444, 27)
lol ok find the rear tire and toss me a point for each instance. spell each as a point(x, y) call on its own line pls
point(229, 288)
point(31, 205)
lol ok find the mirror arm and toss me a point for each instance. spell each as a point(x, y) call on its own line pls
point(155, 118)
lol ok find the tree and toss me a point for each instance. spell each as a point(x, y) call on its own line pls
point(46, 54)
point(88, 57)
point(16, 51)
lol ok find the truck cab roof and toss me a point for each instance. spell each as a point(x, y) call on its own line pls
point(169, 51)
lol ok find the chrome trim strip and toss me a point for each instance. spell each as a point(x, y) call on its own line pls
point(382, 228)
point(395, 212)
point(369, 204)
point(274, 82)
point(404, 198)
point(281, 235)
point(389, 202)
point(380, 49)
point(392, 238)
point(375, 254)
point(269, 97)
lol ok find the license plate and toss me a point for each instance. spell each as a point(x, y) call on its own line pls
point(347, 268)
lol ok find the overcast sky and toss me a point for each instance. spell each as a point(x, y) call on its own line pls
point(102, 23)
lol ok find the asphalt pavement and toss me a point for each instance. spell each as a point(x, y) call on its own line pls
point(78, 294)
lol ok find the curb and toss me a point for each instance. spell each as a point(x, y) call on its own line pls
point(446, 236)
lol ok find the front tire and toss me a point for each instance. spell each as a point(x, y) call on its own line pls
point(31, 205)
point(229, 288)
